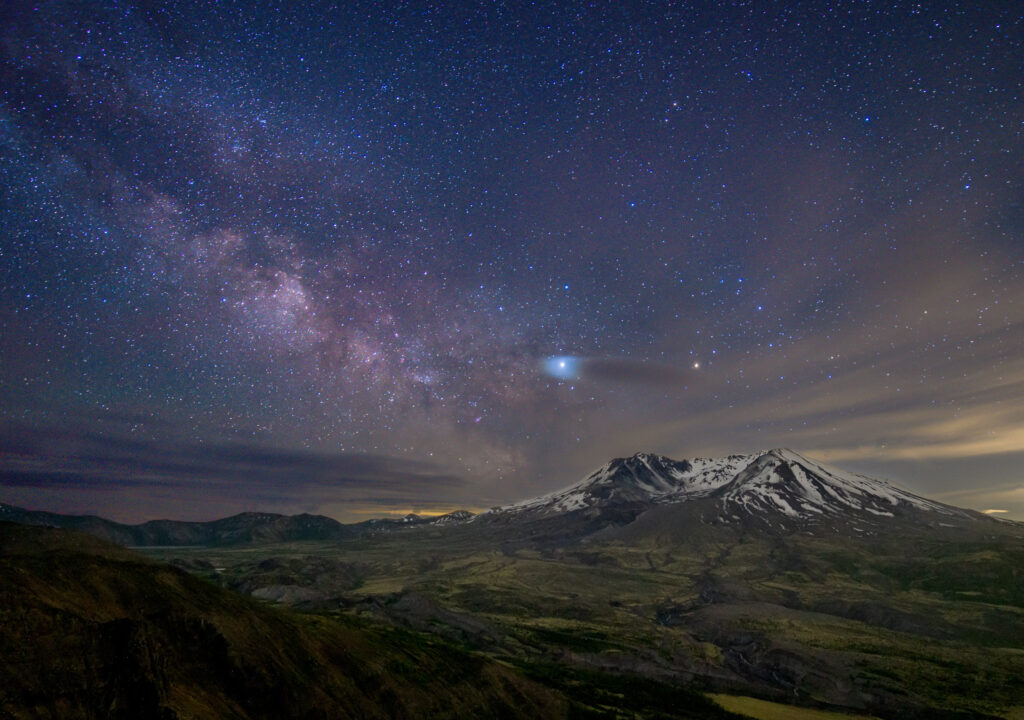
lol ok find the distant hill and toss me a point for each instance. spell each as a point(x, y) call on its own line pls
point(247, 527)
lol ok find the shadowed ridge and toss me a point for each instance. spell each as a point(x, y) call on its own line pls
point(244, 527)
point(92, 630)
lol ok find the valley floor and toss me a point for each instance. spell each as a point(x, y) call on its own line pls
point(895, 628)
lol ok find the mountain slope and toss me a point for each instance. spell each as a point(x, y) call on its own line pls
point(92, 630)
point(782, 481)
point(89, 630)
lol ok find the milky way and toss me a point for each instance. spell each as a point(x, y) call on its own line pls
point(316, 257)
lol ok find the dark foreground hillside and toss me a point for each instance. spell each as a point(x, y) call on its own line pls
point(89, 630)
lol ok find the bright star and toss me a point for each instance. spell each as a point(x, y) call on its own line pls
point(563, 367)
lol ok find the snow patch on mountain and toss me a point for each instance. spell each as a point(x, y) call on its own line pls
point(644, 477)
point(453, 518)
point(785, 481)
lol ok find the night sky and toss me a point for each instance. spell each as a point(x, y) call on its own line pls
point(375, 258)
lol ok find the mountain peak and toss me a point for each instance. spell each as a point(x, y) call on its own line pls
point(640, 478)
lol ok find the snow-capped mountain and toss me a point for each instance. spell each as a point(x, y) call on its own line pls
point(779, 487)
point(413, 520)
point(453, 518)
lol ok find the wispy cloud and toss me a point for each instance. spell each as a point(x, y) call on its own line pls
point(629, 371)
point(252, 475)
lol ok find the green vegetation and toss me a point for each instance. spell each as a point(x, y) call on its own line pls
point(596, 695)
point(914, 625)
point(765, 710)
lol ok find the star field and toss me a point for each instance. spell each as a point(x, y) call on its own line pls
point(329, 257)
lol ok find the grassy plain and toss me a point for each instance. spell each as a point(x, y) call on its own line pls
point(765, 710)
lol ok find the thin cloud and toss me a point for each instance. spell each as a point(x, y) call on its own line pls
point(628, 371)
point(33, 458)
